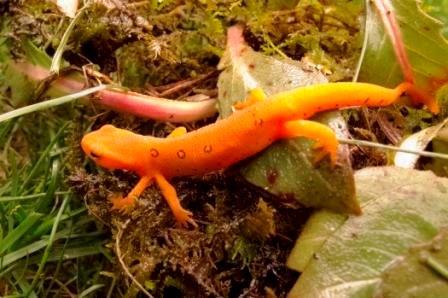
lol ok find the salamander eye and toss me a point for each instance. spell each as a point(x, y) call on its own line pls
point(94, 155)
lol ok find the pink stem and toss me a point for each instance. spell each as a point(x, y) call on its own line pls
point(390, 23)
point(418, 95)
point(156, 108)
point(129, 102)
point(235, 40)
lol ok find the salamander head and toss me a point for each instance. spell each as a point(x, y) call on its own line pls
point(114, 148)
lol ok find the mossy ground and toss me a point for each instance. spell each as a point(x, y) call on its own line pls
point(244, 233)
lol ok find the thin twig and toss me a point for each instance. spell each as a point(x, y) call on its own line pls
point(437, 266)
point(393, 148)
point(123, 265)
point(185, 84)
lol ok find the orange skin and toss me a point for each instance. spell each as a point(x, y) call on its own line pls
point(217, 146)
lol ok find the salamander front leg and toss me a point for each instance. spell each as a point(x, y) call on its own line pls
point(255, 95)
point(127, 203)
point(324, 137)
point(182, 215)
point(177, 132)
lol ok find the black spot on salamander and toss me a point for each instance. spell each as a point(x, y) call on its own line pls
point(208, 148)
point(154, 152)
point(181, 154)
point(258, 122)
point(94, 155)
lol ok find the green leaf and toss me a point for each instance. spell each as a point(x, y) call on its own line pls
point(440, 145)
point(425, 46)
point(439, 10)
point(318, 228)
point(421, 272)
point(287, 167)
point(36, 55)
point(21, 87)
point(401, 208)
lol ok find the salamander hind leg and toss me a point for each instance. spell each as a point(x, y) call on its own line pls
point(127, 203)
point(325, 139)
point(183, 216)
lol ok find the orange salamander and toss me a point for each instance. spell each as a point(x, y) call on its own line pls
point(258, 123)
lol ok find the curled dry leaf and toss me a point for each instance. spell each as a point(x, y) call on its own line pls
point(68, 7)
point(418, 141)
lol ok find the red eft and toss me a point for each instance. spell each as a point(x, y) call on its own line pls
point(258, 123)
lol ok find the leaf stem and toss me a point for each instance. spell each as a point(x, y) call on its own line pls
point(387, 13)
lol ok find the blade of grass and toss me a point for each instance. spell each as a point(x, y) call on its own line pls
point(24, 285)
point(5, 129)
point(20, 253)
point(51, 186)
point(50, 103)
point(70, 253)
point(29, 197)
point(42, 157)
point(57, 57)
point(48, 223)
point(36, 246)
point(8, 270)
point(19, 231)
point(50, 243)
point(90, 290)
point(59, 264)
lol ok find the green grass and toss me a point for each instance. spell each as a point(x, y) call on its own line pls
point(49, 245)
